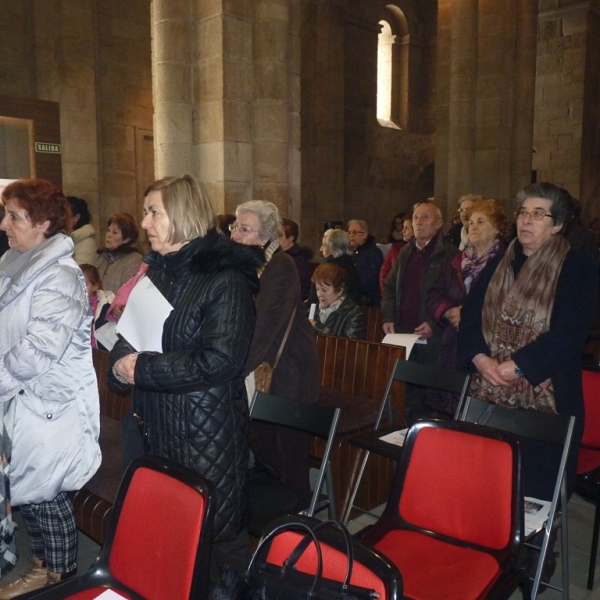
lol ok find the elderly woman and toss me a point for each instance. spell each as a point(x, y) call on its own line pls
point(525, 321)
point(119, 259)
point(336, 248)
point(488, 234)
point(48, 389)
point(279, 304)
point(191, 396)
point(336, 314)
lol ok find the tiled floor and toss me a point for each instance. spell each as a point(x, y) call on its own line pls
point(581, 514)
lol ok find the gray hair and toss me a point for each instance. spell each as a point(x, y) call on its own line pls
point(269, 222)
point(362, 224)
point(338, 241)
point(561, 208)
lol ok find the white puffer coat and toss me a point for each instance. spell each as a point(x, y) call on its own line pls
point(46, 366)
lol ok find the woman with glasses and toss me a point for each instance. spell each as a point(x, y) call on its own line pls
point(279, 304)
point(525, 322)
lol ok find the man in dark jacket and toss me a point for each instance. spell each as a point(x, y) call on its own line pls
point(403, 307)
point(368, 259)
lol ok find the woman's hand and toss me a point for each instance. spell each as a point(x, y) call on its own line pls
point(453, 315)
point(507, 370)
point(488, 369)
point(125, 367)
point(313, 322)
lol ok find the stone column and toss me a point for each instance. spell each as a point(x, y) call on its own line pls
point(462, 101)
point(270, 112)
point(172, 87)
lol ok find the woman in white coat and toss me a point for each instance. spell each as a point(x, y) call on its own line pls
point(48, 389)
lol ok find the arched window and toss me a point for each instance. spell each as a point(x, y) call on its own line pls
point(392, 69)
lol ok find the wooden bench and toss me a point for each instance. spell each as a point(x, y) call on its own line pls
point(354, 375)
point(93, 503)
point(373, 319)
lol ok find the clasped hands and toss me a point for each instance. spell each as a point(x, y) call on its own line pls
point(494, 372)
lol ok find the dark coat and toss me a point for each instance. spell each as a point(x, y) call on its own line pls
point(354, 288)
point(447, 292)
point(302, 256)
point(368, 259)
point(392, 287)
point(297, 374)
point(347, 321)
point(555, 354)
point(192, 396)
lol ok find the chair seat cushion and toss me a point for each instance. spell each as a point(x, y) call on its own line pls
point(432, 569)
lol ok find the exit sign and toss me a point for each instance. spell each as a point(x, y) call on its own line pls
point(48, 148)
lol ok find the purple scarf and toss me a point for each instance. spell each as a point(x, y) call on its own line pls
point(471, 264)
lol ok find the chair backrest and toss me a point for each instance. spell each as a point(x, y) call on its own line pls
point(158, 541)
point(591, 398)
point(427, 376)
point(371, 569)
point(310, 418)
point(461, 481)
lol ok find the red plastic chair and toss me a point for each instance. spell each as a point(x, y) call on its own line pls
point(371, 569)
point(157, 543)
point(454, 522)
point(588, 460)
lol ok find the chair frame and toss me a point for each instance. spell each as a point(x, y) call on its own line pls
point(509, 556)
point(99, 574)
point(545, 427)
point(412, 373)
point(317, 420)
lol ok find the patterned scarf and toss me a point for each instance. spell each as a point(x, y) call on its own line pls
point(471, 264)
point(515, 313)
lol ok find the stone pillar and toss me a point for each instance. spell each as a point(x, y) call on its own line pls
point(65, 73)
point(172, 87)
point(323, 96)
point(270, 113)
point(485, 98)
point(462, 101)
point(590, 146)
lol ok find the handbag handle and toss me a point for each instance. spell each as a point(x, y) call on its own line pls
point(303, 545)
point(310, 535)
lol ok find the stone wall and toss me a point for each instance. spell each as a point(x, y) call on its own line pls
point(560, 77)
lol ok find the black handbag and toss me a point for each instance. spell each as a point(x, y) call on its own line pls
point(266, 581)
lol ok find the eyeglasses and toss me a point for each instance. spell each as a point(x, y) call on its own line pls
point(537, 214)
point(243, 229)
point(462, 210)
point(355, 232)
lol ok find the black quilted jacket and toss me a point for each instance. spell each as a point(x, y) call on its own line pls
point(192, 396)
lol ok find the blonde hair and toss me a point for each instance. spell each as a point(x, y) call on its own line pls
point(187, 205)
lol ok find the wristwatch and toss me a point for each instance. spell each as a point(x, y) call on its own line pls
point(518, 371)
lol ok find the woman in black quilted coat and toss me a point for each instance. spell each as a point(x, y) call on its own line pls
point(191, 397)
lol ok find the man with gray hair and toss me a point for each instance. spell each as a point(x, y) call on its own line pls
point(403, 307)
point(368, 259)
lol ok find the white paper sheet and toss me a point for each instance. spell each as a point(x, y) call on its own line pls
point(107, 335)
point(141, 323)
point(311, 312)
point(536, 514)
point(408, 340)
point(396, 437)
point(109, 595)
